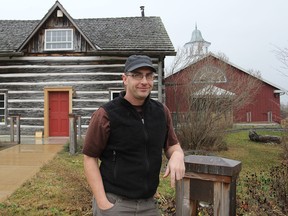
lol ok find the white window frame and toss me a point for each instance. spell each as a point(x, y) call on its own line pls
point(210, 74)
point(60, 41)
point(249, 116)
point(270, 116)
point(4, 108)
point(112, 92)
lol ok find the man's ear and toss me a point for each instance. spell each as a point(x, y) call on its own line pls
point(124, 78)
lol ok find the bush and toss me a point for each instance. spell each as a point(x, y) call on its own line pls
point(202, 132)
point(279, 178)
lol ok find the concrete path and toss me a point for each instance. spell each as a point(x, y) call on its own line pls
point(21, 162)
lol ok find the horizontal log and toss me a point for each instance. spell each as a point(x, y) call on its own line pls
point(208, 177)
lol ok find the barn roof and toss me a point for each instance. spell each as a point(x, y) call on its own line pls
point(105, 34)
point(180, 68)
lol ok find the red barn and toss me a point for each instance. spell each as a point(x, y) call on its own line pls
point(259, 99)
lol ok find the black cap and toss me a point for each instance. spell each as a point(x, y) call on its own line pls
point(136, 61)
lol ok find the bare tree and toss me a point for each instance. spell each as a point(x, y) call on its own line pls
point(205, 95)
point(284, 111)
point(282, 56)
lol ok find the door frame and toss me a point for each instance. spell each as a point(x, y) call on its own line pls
point(68, 89)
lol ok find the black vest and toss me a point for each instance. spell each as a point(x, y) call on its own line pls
point(131, 161)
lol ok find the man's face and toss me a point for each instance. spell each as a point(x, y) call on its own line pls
point(138, 84)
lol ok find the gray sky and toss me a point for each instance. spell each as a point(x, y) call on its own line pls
point(246, 31)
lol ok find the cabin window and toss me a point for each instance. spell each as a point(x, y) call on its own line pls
point(58, 39)
point(114, 94)
point(2, 108)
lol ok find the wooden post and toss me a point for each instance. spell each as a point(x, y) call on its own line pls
point(79, 126)
point(208, 179)
point(72, 134)
point(12, 129)
point(184, 204)
point(221, 199)
point(13, 120)
point(18, 139)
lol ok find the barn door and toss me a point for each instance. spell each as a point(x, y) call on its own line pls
point(58, 113)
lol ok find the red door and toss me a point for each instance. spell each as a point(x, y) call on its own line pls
point(58, 113)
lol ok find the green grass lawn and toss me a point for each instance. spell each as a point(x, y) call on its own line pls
point(254, 156)
point(60, 187)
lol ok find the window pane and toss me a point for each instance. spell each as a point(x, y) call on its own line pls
point(69, 36)
point(1, 97)
point(2, 112)
point(59, 39)
point(63, 35)
point(48, 36)
point(58, 36)
point(2, 119)
point(1, 104)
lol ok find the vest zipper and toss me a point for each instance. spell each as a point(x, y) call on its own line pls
point(114, 161)
point(146, 154)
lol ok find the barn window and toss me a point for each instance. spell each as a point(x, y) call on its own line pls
point(210, 74)
point(249, 117)
point(58, 39)
point(2, 108)
point(270, 116)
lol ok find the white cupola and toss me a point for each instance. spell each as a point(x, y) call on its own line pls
point(197, 46)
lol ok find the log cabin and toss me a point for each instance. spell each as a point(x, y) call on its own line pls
point(60, 65)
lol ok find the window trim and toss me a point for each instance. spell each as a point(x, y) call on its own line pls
point(4, 92)
point(270, 116)
point(58, 42)
point(112, 91)
point(249, 116)
point(208, 70)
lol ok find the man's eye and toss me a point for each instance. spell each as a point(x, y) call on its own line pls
point(149, 76)
point(138, 75)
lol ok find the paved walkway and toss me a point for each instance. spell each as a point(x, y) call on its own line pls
point(21, 162)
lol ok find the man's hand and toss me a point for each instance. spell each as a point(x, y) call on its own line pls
point(176, 165)
point(104, 205)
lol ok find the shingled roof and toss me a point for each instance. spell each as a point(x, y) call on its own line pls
point(127, 33)
point(106, 34)
point(14, 32)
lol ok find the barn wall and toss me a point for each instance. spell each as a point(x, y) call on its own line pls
point(90, 77)
point(265, 101)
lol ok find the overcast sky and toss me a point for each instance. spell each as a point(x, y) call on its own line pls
point(246, 31)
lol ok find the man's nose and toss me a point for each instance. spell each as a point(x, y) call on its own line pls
point(144, 79)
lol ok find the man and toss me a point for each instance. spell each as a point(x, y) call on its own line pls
point(128, 135)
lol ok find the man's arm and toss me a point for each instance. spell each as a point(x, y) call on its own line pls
point(94, 179)
point(175, 166)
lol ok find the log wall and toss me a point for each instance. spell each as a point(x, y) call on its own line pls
point(91, 78)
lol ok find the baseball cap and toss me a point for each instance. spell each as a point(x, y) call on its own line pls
point(136, 61)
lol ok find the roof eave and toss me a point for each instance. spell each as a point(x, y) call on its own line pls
point(130, 52)
point(239, 68)
point(11, 54)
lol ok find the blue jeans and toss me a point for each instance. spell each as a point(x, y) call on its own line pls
point(127, 207)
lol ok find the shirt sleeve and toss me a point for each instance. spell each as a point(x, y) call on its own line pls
point(171, 135)
point(97, 134)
